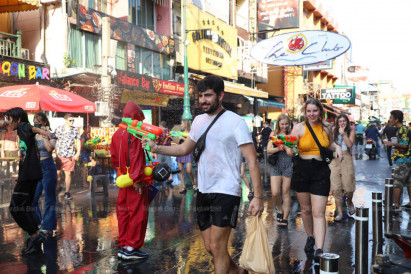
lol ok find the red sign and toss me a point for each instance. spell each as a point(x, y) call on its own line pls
point(133, 80)
point(173, 88)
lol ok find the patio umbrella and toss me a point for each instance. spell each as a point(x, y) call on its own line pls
point(40, 97)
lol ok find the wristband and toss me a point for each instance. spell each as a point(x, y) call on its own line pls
point(262, 198)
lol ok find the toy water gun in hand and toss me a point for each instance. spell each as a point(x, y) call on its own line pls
point(178, 134)
point(285, 140)
point(140, 130)
point(93, 142)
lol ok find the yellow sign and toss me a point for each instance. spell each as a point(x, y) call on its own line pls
point(144, 98)
point(213, 44)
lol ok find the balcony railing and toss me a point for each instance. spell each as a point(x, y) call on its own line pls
point(10, 44)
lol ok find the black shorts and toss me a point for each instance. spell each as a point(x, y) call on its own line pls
point(359, 139)
point(311, 176)
point(216, 209)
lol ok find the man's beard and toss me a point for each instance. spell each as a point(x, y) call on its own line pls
point(213, 107)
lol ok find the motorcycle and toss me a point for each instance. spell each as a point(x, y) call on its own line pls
point(371, 149)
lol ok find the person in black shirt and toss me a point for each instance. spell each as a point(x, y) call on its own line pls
point(29, 174)
point(387, 133)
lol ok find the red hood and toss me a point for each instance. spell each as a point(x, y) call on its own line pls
point(132, 110)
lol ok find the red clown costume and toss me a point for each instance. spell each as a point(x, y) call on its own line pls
point(132, 207)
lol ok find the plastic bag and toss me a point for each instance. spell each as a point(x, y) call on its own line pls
point(256, 255)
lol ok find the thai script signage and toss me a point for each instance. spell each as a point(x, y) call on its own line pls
point(91, 20)
point(300, 48)
point(278, 14)
point(340, 94)
point(23, 71)
point(213, 44)
point(137, 81)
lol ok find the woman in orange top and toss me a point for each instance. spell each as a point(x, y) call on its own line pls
point(311, 175)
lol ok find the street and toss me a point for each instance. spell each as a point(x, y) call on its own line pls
point(87, 233)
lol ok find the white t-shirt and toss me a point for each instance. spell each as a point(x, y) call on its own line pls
point(220, 162)
point(258, 120)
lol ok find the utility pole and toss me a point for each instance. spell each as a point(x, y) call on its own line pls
point(187, 111)
point(105, 77)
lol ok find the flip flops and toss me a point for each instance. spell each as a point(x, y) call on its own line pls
point(283, 223)
point(280, 216)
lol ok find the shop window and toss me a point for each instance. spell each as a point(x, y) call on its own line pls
point(75, 58)
point(121, 56)
point(92, 52)
point(84, 49)
point(147, 62)
point(166, 67)
point(141, 13)
point(157, 71)
point(138, 63)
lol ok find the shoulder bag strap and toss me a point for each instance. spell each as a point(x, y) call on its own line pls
point(212, 123)
point(313, 134)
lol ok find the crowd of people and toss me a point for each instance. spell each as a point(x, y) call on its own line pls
point(221, 144)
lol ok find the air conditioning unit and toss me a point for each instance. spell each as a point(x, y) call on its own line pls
point(101, 108)
point(25, 54)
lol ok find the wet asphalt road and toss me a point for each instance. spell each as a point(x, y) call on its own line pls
point(87, 233)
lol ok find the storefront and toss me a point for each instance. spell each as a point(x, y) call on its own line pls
point(152, 94)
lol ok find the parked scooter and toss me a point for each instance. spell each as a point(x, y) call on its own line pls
point(371, 149)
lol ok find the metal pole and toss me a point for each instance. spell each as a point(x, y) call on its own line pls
point(329, 263)
point(186, 112)
point(361, 240)
point(388, 199)
point(265, 165)
point(377, 217)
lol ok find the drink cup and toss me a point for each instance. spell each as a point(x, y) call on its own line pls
point(394, 140)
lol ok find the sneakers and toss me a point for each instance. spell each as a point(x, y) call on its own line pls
point(407, 206)
point(309, 245)
point(33, 244)
point(317, 255)
point(120, 252)
point(135, 254)
point(67, 196)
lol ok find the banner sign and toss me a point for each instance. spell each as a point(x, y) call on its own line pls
point(213, 44)
point(131, 80)
point(300, 48)
point(23, 71)
point(340, 94)
point(91, 20)
point(319, 66)
point(277, 14)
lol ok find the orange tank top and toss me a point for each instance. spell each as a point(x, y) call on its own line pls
point(307, 145)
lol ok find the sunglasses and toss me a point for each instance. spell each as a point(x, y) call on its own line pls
point(71, 121)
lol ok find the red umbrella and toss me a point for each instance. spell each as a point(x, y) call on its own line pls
point(39, 97)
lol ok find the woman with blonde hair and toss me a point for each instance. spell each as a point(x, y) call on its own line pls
point(342, 172)
point(311, 174)
point(281, 173)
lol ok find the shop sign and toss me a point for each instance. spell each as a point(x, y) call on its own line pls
point(92, 20)
point(278, 14)
point(319, 66)
point(339, 94)
point(213, 44)
point(131, 80)
point(21, 71)
point(300, 48)
point(144, 98)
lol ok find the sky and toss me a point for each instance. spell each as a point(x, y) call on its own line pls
point(380, 34)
